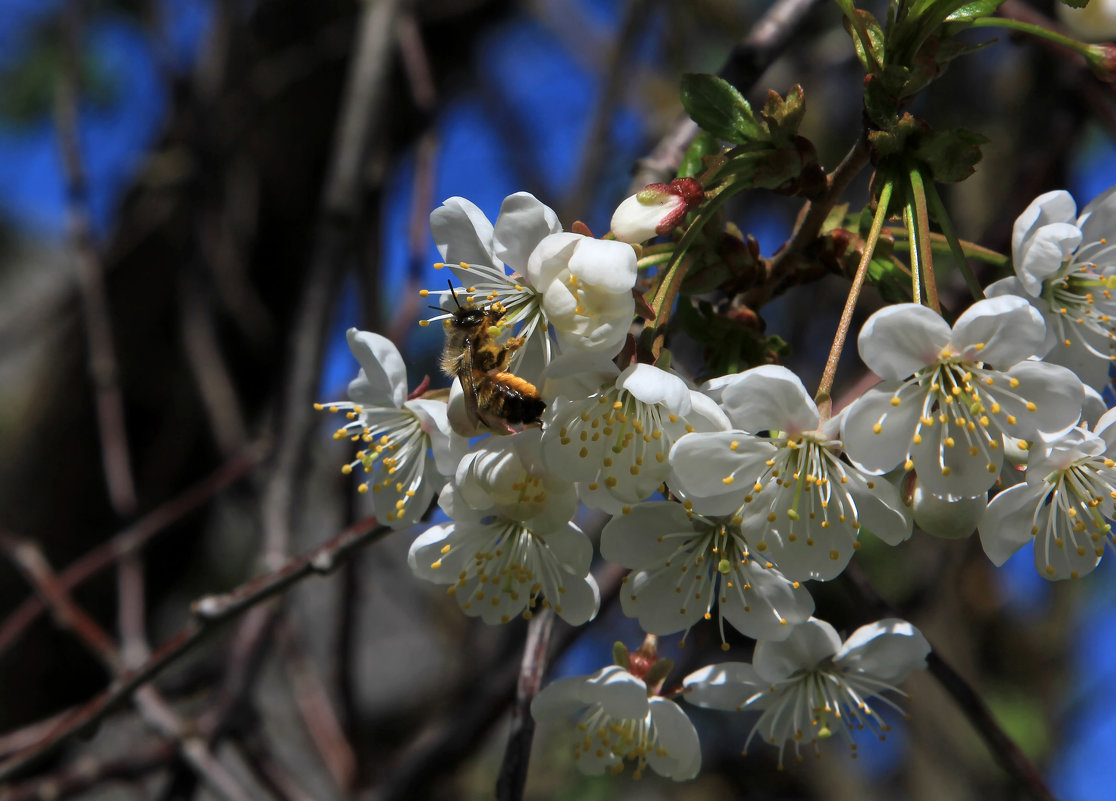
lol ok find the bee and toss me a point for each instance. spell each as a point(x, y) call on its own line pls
point(475, 356)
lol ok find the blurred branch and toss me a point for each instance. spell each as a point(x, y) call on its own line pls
point(517, 755)
point(769, 37)
point(103, 367)
point(599, 137)
point(361, 107)
point(88, 773)
point(132, 538)
point(209, 613)
point(155, 710)
point(436, 751)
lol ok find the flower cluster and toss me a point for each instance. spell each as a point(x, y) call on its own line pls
point(729, 498)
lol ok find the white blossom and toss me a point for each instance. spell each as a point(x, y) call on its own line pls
point(1064, 265)
point(620, 722)
point(684, 563)
point(801, 506)
point(407, 445)
point(1064, 506)
point(615, 441)
point(949, 397)
point(579, 285)
point(498, 566)
point(811, 686)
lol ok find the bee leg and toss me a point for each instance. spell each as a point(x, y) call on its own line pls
point(509, 347)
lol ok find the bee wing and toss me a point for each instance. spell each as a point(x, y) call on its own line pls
point(468, 376)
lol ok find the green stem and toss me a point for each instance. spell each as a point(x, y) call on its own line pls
point(1034, 30)
point(912, 245)
point(653, 260)
point(936, 205)
point(823, 395)
point(921, 245)
point(971, 250)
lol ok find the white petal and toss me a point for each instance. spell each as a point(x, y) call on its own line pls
point(1043, 251)
point(383, 374)
point(604, 265)
point(1056, 392)
point(462, 233)
point(657, 602)
point(1008, 521)
point(618, 692)
point(559, 699)
point(718, 465)
point(899, 340)
point(523, 222)
point(445, 444)
point(808, 644)
point(770, 398)
point(1051, 207)
point(948, 517)
point(580, 602)
point(1000, 331)
point(769, 607)
point(570, 547)
point(1097, 220)
point(725, 685)
point(645, 536)
point(878, 452)
point(654, 386)
point(677, 738)
point(957, 470)
point(426, 551)
point(887, 650)
point(879, 508)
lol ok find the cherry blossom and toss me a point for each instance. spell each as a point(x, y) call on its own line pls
point(684, 563)
point(811, 686)
point(949, 396)
point(1064, 506)
point(800, 504)
point(409, 447)
point(1064, 266)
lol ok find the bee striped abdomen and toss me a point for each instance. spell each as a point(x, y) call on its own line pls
point(513, 398)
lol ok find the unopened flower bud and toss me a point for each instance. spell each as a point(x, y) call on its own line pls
point(655, 209)
point(1102, 61)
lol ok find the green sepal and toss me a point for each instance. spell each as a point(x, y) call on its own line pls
point(704, 144)
point(620, 655)
point(1074, 3)
point(717, 107)
point(658, 673)
point(784, 115)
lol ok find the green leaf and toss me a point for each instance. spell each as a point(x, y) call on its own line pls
point(1074, 3)
point(976, 10)
point(950, 155)
point(717, 107)
point(620, 655)
point(867, 37)
point(704, 144)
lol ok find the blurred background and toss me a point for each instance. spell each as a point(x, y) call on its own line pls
point(200, 196)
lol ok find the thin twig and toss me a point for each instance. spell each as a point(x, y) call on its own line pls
point(209, 613)
point(103, 366)
point(132, 538)
point(517, 755)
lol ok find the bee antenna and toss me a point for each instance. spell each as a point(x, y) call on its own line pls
point(453, 292)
